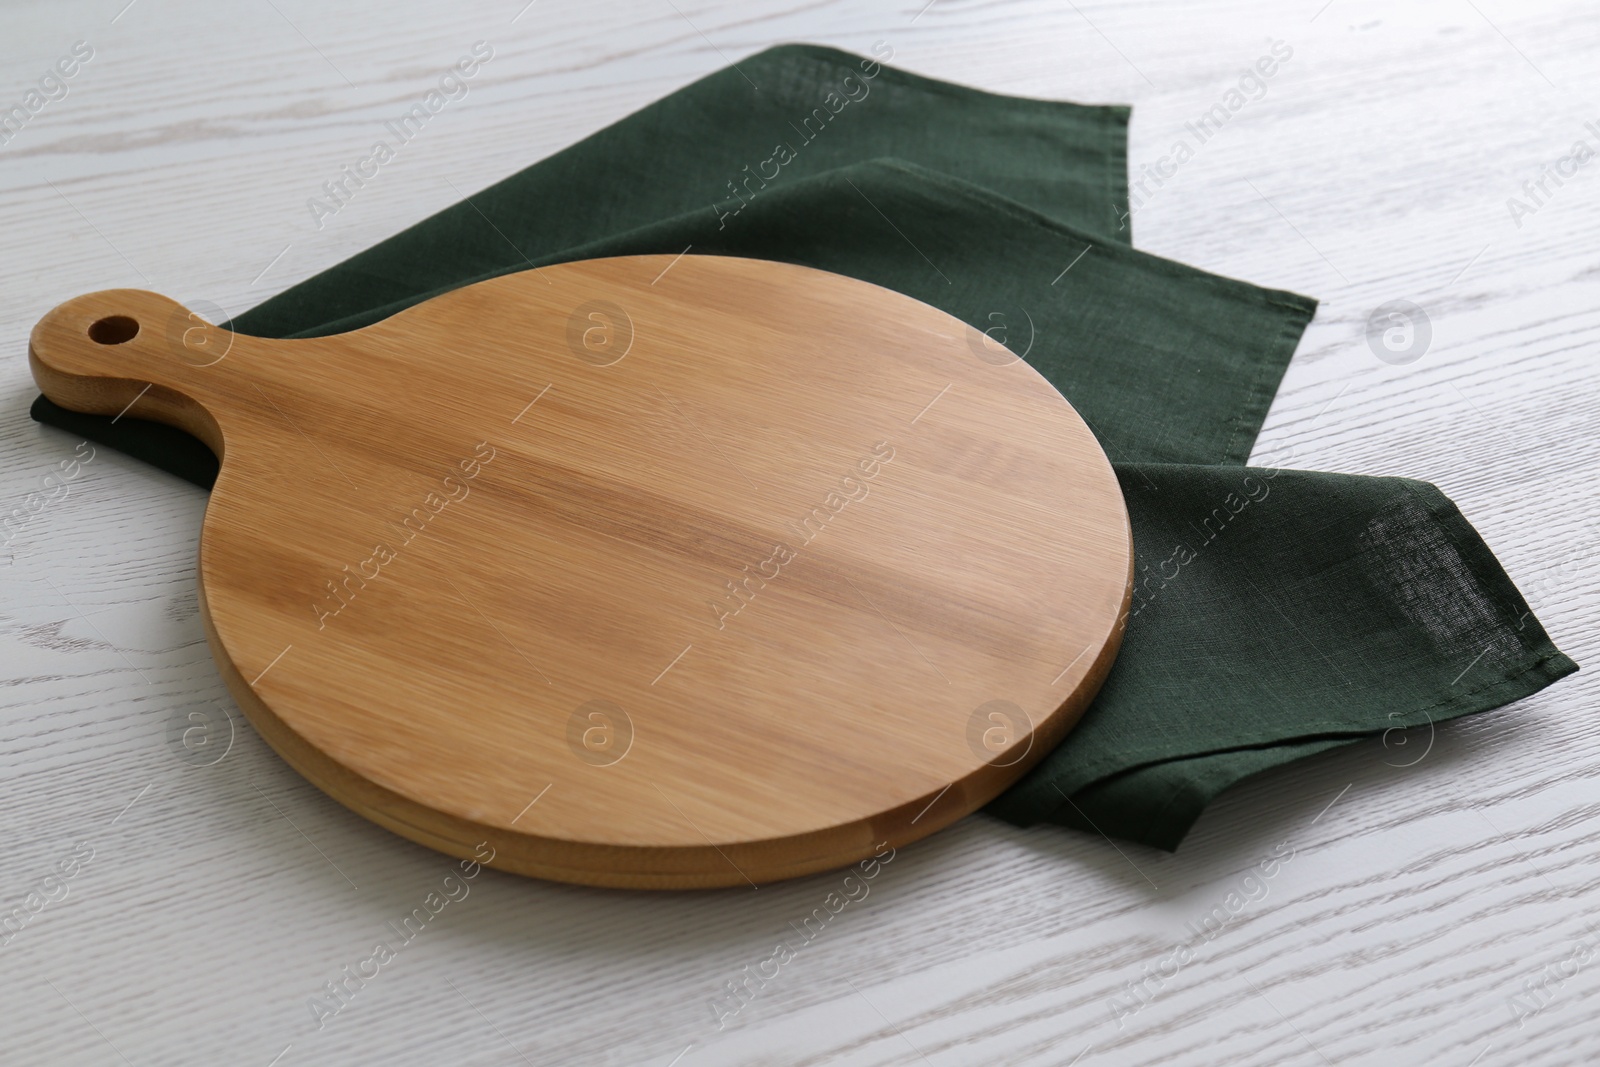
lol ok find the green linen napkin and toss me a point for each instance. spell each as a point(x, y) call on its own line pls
point(1276, 613)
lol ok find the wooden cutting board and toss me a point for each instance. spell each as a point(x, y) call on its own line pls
point(648, 572)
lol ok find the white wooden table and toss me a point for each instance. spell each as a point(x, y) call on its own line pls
point(1432, 913)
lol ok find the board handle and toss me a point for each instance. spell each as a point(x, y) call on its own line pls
point(132, 352)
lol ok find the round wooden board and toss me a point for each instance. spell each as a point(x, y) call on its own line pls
point(642, 572)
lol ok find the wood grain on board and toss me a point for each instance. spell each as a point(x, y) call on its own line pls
point(651, 571)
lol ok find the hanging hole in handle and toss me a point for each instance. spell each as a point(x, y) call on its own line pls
point(113, 330)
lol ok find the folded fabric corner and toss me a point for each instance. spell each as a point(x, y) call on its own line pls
point(1277, 614)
